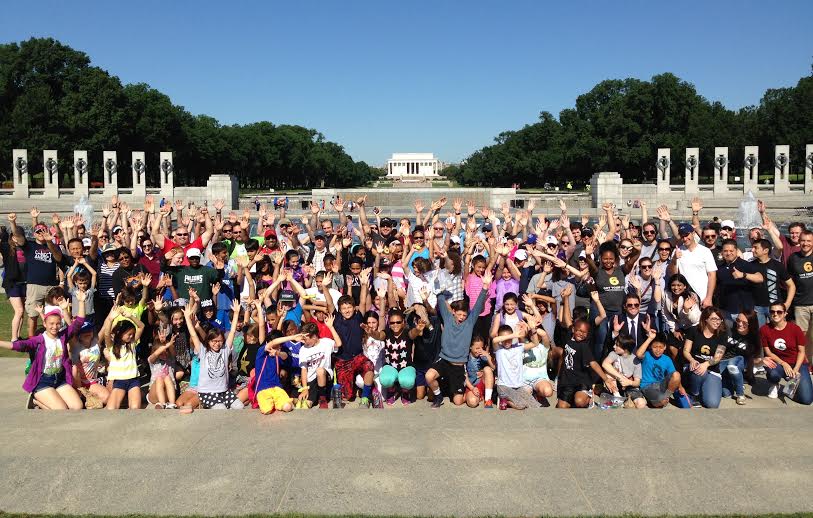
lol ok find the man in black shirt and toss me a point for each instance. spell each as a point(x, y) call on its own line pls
point(736, 279)
point(800, 267)
point(776, 276)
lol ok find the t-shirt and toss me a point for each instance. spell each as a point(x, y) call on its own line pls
point(200, 278)
point(53, 355)
point(125, 367)
point(214, 370)
point(170, 244)
point(611, 288)
point(266, 371)
point(40, 264)
point(474, 365)
point(737, 345)
point(509, 365)
point(735, 294)
point(88, 358)
point(128, 277)
point(703, 347)
point(535, 363)
point(784, 343)
point(629, 365)
point(695, 266)
point(246, 358)
point(293, 349)
point(576, 367)
point(88, 301)
point(312, 358)
point(349, 331)
point(398, 349)
point(655, 370)
point(770, 291)
point(104, 279)
point(800, 267)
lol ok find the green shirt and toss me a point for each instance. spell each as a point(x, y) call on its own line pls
point(200, 278)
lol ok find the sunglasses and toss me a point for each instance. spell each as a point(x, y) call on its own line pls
point(664, 249)
point(646, 266)
point(777, 312)
point(271, 226)
point(396, 322)
point(649, 232)
point(565, 242)
point(633, 305)
point(438, 228)
point(417, 237)
point(627, 247)
point(552, 245)
point(710, 236)
point(182, 235)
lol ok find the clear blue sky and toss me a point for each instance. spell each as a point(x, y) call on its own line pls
point(435, 76)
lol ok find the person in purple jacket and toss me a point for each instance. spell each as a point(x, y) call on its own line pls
point(50, 378)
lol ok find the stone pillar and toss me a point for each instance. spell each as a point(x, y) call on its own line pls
point(809, 169)
point(139, 166)
point(781, 170)
point(110, 166)
point(662, 164)
point(167, 175)
point(720, 170)
point(81, 170)
point(692, 165)
point(19, 168)
point(607, 187)
point(224, 187)
point(50, 174)
point(750, 170)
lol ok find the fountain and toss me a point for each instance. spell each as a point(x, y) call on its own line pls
point(85, 209)
point(749, 215)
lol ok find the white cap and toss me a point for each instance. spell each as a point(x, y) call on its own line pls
point(450, 220)
point(86, 242)
point(551, 240)
point(728, 223)
point(193, 252)
point(520, 255)
point(455, 239)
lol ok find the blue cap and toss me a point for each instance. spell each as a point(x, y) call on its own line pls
point(531, 239)
point(684, 229)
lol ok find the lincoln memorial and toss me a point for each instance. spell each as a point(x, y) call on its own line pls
point(413, 166)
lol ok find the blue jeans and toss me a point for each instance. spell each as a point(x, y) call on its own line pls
point(732, 370)
point(601, 331)
point(763, 313)
point(804, 394)
point(709, 387)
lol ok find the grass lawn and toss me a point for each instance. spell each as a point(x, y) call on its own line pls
point(6, 313)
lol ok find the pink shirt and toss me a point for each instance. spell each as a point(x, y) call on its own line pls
point(474, 285)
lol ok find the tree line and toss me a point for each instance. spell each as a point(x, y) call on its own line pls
point(619, 124)
point(52, 98)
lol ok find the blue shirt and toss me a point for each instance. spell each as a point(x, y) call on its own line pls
point(473, 366)
point(267, 377)
point(655, 370)
point(292, 348)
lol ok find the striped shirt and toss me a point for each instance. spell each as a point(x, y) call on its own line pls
point(124, 368)
point(104, 280)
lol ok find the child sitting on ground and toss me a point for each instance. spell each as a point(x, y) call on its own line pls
point(86, 356)
point(575, 379)
point(314, 360)
point(510, 348)
point(479, 375)
point(659, 379)
point(625, 367)
point(162, 369)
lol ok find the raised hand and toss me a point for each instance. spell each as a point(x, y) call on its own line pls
point(697, 204)
point(12, 217)
point(617, 324)
point(219, 204)
point(419, 206)
point(663, 213)
point(34, 212)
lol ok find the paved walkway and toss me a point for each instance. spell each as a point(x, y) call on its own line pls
point(405, 461)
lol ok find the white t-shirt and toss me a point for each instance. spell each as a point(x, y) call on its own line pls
point(53, 355)
point(214, 370)
point(509, 365)
point(317, 356)
point(316, 292)
point(695, 266)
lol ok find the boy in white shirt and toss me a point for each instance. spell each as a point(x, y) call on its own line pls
point(511, 386)
point(314, 360)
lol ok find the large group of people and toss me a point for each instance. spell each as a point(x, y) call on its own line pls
point(187, 306)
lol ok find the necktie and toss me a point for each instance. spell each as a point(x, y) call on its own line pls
point(633, 330)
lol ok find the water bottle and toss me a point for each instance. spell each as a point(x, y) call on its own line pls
point(336, 395)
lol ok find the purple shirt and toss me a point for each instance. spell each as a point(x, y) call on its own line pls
point(37, 344)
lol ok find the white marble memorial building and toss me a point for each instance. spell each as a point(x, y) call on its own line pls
point(413, 166)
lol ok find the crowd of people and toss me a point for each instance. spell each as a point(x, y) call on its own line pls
point(186, 306)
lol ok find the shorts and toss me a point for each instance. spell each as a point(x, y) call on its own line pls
point(35, 294)
point(126, 385)
point(228, 398)
point(455, 376)
point(86, 383)
point(633, 393)
point(656, 392)
point(531, 381)
point(270, 399)
point(420, 377)
point(17, 290)
point(567, 393)
point(481, 388)
point(53, 381)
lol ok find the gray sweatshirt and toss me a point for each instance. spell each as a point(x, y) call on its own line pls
point(456, 338)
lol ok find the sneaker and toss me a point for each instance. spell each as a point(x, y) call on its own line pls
point(741, 399)
point(437, 401)
point(364, 402)
point(390, 400)
point(171, 406)
point(773, 393)
point(405, 401)
point(377, 401)
point(323, 402)
point(488, 404)
point(695, 403)
point(503, 404)
point(759, 369)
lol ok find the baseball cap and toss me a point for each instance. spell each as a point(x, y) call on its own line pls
point(319, 234)
point(284, 221)
point(727, 223)
point(86, 242)
point(520, 255)
point(550, 240)
point(387, 222)
point(684, 229)
point(587, 232)
point(487, 227)
point(455, 239)
point(269, 233)
point(394, 241)
point(87, 326)
point(287, 296)
point(193, 252)
point(40, 226)
point(109, 248)
point(531, 239)
point(116, 229)
point(450, 220)
point(49, 310)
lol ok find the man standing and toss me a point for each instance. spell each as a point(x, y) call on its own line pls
point(736, 281)
point(774, 273)
point(800, 267)
point(196, 276)
point(696, 263)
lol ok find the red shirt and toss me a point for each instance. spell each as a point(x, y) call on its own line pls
point(170, 244)
point(152, 265)
point(324, 330)
point(785, 343)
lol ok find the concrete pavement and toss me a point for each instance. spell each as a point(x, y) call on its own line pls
point(405, 461)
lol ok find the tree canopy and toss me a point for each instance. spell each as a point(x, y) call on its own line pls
point(619, 124)
point(51, 97)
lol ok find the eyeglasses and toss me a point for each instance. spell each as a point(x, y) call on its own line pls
point(146, 245)
point(649, 232)
point(646, 266)
point(633, 305)
point(777, 312)
point(741, 323)
point(715, 319)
